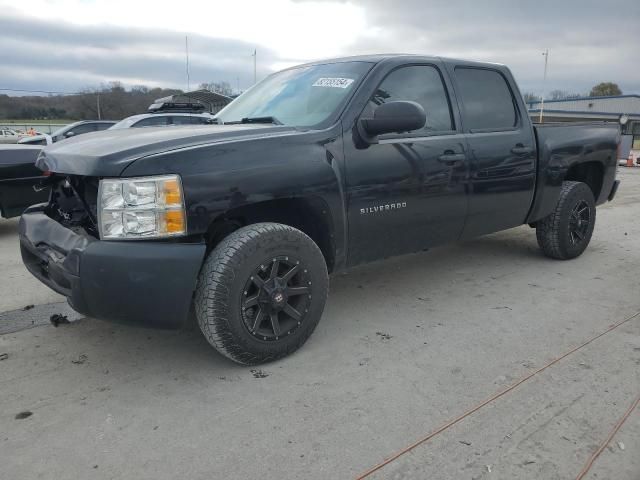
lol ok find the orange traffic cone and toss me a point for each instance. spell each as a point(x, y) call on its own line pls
point(630, 160)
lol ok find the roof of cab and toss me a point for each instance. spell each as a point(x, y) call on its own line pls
point(373, 58)
point(380, 57)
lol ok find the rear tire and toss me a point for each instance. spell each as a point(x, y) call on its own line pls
point(566, 232)
point(261, 293)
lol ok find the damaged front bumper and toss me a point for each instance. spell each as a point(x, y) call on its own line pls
point(148, 283)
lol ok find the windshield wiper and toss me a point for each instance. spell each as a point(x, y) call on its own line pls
point(268, 119)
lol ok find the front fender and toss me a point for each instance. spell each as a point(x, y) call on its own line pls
point(226, 176)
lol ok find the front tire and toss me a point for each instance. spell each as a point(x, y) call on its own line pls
point(261, 293)
point(566, 232)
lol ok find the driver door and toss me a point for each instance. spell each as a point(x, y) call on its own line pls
point(408, 191)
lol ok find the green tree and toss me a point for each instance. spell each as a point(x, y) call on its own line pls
point(604, 89)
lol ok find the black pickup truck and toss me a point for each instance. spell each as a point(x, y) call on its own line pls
point(315, 169)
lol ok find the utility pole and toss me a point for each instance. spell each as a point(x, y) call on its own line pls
point(238, 84)
point(255, 61)
point(98, 105)
point(186, 49)
point(544, 81)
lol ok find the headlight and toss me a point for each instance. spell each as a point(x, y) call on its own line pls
point(144, 207)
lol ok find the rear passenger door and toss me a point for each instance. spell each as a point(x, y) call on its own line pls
point(501, 150)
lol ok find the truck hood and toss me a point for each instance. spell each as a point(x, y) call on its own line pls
point(108, 153)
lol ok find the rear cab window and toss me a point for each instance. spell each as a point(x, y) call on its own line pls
point(487, 101)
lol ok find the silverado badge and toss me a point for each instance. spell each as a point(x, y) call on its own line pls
point(387, 207)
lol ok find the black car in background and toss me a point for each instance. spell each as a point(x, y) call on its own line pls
point(162, 119)
point(20, 180)
point(18, 177)
point(71, 130)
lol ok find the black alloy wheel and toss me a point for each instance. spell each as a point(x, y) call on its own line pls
point(276, 298)
point(566, 231)
point(579, 222)
point(261, 292)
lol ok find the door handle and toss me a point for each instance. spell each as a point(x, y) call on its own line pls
point(520, 149)
point(452, 159)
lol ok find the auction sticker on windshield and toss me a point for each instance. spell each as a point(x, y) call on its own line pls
point(334, 82)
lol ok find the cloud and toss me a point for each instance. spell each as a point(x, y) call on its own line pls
point(58, 56)
point(589, 41)
point(70, 44)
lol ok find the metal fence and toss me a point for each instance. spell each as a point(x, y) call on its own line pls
point(48, 128)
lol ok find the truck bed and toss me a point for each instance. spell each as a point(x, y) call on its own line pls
point(565, 146)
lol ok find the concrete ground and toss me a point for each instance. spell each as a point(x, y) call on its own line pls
point(404, 346)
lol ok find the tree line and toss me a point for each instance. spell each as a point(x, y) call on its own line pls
point(112, 100)
point(602, 89)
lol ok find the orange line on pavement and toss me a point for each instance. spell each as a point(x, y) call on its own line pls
point(597, 453)
point(494, 397)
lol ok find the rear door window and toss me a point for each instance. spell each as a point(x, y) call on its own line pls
point(180, 120)
point(200, 120)
point(487, 101)
point(151, 121)
point(83, 128)
point(187, 120)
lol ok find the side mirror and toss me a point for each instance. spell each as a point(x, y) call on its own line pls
point(395, 117)
point(69, 134)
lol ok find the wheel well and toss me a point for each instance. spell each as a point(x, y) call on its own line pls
point(309, 215)
point(590, 173)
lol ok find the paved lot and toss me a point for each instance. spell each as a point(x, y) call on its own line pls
point(404, 346)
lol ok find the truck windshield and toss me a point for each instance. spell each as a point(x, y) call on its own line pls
point(301, 97)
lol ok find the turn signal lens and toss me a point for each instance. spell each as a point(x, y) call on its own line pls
point(172, 193)
point(174, 221)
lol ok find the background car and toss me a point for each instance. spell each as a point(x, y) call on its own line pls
point(9, 136)
point(164, 119)
point(71, 130)
point(18, 177)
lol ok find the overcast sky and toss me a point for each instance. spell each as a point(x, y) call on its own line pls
point(68, 45)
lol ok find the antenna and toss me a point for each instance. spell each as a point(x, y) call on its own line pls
point(544, 80)
point(186, 49)
point(255, 61)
